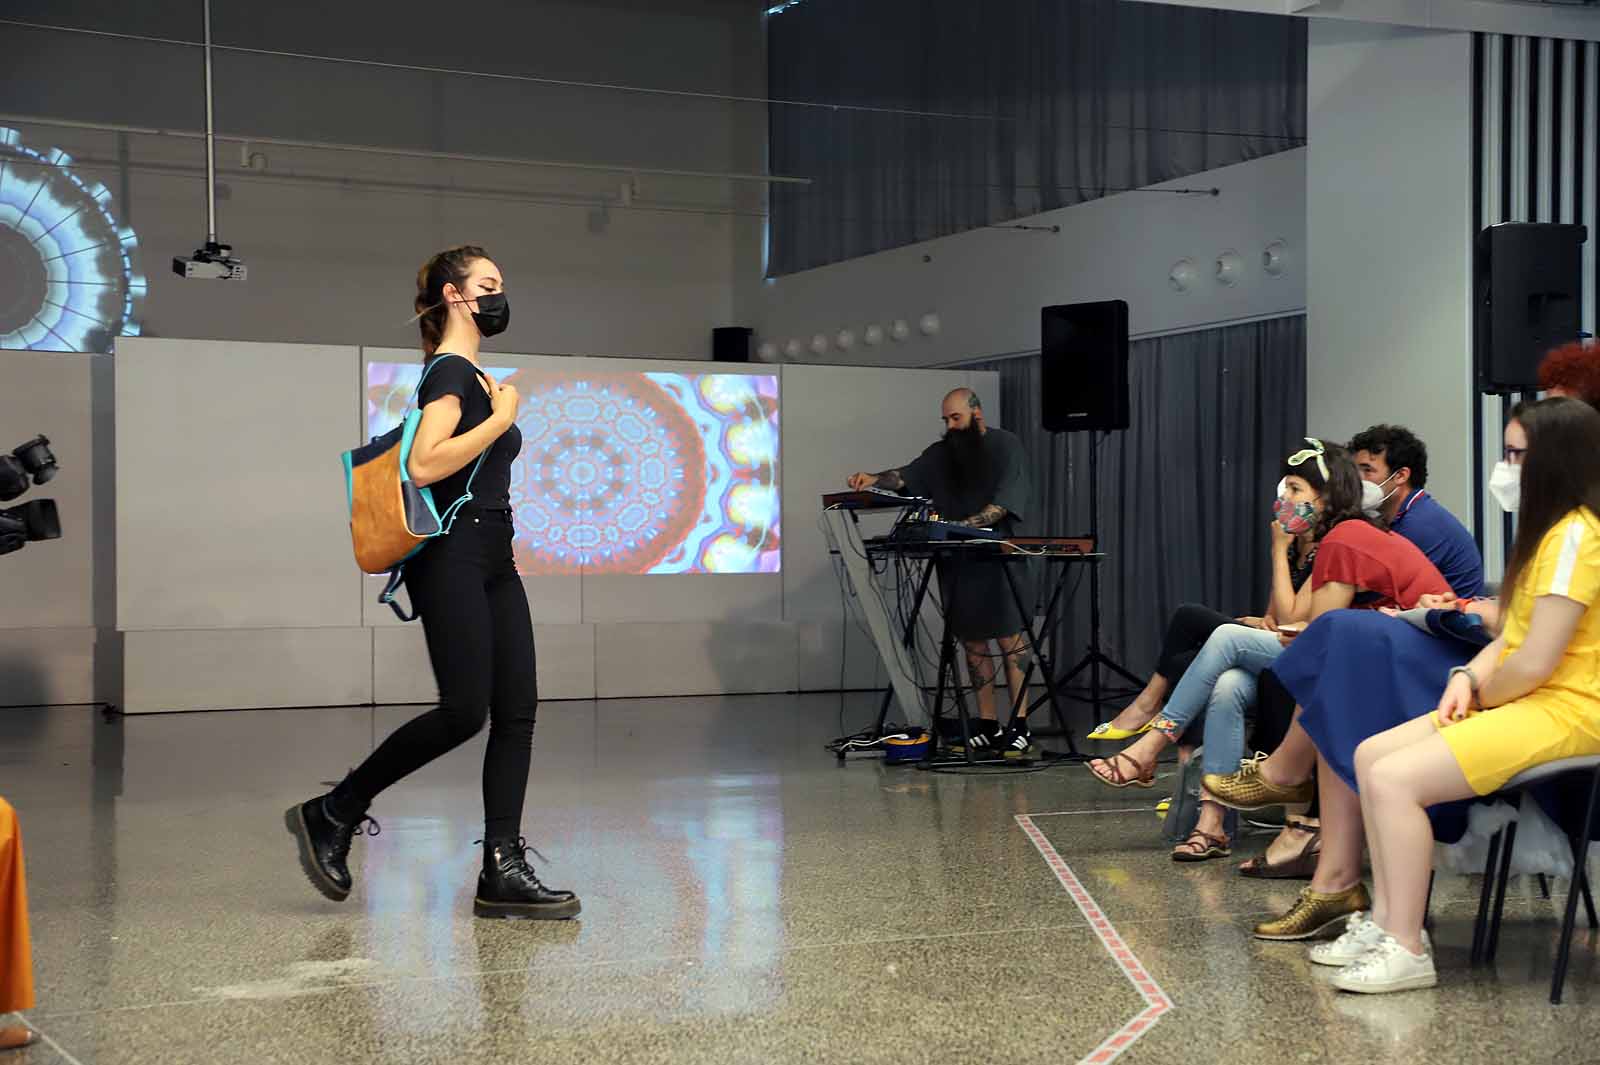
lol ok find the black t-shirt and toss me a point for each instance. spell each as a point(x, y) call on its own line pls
point(1300, 563)
point(932, 474)
point(455, 375)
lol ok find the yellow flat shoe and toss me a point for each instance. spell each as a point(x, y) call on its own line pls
point(1107, 731)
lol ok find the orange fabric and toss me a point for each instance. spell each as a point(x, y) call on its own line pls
point(16, 956)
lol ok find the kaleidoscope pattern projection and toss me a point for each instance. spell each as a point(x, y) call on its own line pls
point(632, 472)
point(69, 272)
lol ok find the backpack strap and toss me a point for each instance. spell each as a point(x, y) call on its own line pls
point(397, 578)
point(448, 518)
point(427, 368)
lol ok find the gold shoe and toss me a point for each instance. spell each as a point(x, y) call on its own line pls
point(1314, 913)
point(1248, 790)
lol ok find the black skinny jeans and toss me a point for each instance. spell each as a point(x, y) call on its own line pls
point(1188, 630)
point(480, 641)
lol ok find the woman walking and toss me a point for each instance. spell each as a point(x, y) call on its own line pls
point(474, 611)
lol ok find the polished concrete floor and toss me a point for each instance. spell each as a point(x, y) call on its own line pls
point(746, 899)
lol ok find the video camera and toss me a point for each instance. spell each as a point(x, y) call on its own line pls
point(28, 464)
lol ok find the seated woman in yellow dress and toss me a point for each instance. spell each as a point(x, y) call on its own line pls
point(1531, 696)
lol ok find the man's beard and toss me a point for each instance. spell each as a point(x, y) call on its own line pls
point(969, 459)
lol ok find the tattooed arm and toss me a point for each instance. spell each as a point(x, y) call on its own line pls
point(986, 518)
point(888, 480)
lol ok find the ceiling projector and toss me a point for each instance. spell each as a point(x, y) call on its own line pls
point(214, 262)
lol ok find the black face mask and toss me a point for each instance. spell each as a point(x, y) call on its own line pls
point(493, 314)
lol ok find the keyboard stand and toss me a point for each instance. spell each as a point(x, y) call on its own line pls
point(895, 649)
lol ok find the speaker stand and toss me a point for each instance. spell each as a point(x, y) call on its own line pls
point(1094, 658)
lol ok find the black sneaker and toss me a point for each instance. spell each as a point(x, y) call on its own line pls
point(1016, 741)
point(985, 734)
point(324, 844)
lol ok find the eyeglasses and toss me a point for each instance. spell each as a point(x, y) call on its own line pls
point(1515, 455)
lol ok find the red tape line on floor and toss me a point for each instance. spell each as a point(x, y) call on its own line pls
point(1156, 1001)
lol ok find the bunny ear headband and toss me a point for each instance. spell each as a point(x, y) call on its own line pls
point(1315, 451)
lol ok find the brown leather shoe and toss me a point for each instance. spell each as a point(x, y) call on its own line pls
point(1314, 913)
point(1248, 790)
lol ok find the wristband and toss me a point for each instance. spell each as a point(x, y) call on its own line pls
point(1472, 678)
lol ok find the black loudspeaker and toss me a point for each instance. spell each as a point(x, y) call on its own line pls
point(1528, 283)
point(730, 343)
point(1084, 363)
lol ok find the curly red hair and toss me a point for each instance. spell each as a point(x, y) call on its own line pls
point(1575, 369)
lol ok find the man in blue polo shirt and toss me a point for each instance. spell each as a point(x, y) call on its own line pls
point(1391, 457)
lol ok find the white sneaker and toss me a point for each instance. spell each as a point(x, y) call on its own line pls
point(1388, 967)
point(1360, 935)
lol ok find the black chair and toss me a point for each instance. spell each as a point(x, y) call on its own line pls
point(1486, 928)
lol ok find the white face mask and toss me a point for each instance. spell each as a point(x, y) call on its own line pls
point(1372, 498)
point(1505, 484)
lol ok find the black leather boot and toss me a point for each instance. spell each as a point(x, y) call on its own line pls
point(324, 843)
point(508, 887)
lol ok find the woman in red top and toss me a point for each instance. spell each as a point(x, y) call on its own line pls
point(1359, 565)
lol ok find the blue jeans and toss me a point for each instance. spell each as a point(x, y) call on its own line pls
point(1234, 693)
point(1222, 682)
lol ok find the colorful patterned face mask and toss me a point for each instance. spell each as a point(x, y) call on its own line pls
point(1294, 518)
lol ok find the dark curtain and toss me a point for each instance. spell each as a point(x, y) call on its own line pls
point(1185, 491)
point(1023, 106)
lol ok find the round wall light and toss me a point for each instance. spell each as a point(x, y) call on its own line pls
point(1182, 275)
point(1229, 268)
point(1275, 258)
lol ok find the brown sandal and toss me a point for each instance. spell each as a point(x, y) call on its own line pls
point(1113, 777)
point(1202, 847)
point(1300, 867)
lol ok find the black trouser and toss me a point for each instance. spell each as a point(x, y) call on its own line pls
point(1274, 716)
point(1274, 712)
point(480, 640)
point(1190, 626)
point(1188, 630)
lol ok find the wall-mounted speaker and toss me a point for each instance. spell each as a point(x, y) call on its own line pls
point(1528, 280)
point(1084, 366)
point(731, 343)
